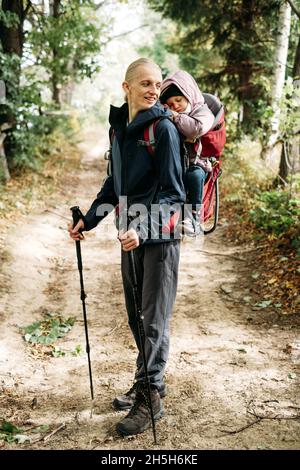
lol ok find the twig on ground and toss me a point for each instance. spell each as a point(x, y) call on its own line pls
point(242, 428)
point(51, 434)
point(113, 329)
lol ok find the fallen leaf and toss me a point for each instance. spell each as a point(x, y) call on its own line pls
point(255, 275)
point(264, 303)
point(21, 438)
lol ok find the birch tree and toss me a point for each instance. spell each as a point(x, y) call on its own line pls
point(280, 60)
point(290, 153)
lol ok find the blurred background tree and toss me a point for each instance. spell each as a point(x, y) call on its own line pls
point(44, 47)
point(60, 57)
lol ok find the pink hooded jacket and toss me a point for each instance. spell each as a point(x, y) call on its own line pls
point(200, 119)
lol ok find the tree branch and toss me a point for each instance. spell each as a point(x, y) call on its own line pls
point(28, 6)
point(96, 7)
point(294, 8)
point(128, 32)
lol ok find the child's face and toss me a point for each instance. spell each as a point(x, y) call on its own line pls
point(177, 103)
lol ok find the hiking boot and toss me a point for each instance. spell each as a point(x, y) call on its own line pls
point(126, 401)
point(139, 417)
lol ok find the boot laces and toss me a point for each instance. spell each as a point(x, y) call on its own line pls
point(132, 389)
point(141, 399)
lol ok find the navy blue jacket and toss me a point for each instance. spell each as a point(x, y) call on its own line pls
point(144, 178)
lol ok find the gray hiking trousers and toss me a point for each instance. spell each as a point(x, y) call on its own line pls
point(157, 275)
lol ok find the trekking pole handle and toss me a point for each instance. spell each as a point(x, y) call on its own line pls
point(77, 215)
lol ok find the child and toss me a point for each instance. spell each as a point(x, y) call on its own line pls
point(193, 118)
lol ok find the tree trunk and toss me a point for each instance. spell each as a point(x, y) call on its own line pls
point(12, 38)
point(296, 68)
point(12, 43)
point(4, 171)
point(45, 7)
point(284, 166)
point(245, 71)
point(284, 169)
point(55, 89)
point(55, 12)
point(284, 23)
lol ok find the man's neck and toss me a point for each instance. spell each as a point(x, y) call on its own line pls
point(132, 113)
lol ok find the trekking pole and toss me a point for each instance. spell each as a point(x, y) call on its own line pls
point(141, 331)
point(77, 215)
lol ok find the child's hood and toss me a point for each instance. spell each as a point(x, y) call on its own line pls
point(186, 83)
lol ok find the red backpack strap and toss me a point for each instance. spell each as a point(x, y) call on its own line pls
point(149, 137)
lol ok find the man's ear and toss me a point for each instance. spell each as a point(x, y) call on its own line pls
point(125, 87)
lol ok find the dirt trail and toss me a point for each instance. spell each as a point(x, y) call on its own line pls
point(229, 365)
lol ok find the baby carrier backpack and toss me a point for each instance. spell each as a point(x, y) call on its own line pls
point(213, 143)
point(214, 140)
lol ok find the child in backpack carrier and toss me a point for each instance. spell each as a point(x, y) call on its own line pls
point(193, 118)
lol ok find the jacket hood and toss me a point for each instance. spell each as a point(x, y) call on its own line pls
point(118, 116)
point(186, 83)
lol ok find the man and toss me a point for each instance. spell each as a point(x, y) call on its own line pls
point(155, 183)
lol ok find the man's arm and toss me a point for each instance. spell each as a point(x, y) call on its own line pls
point(106, 198)
point(171, 194)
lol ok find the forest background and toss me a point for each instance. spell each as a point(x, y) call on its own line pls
point(61, 63)
point(233, 376)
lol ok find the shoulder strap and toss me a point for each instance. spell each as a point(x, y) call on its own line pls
point(111, 135)
point(216, 107)
point(149, 142)
point(149, 137)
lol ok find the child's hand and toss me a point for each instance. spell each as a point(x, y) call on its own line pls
point(174, 113)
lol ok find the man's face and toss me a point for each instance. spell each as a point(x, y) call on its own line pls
point(143, 89)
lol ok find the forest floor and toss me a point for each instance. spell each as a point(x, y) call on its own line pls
point(233, 373)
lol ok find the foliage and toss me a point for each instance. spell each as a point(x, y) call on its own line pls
point(275, 212)
point(34, 137)
point(266, 221)
point(289, 110)
point(268, 211)
point(47, 331)
point(8, 18)
point(57, 51)
point(158, 51)
point(9, 66)
point(9, 432)
point(66, 46)
point(228, 47)
point(294, 39)
point(12, 434)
